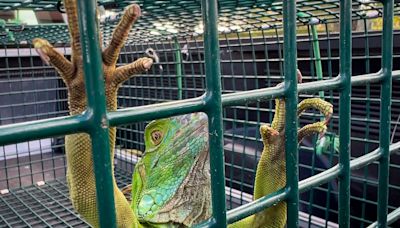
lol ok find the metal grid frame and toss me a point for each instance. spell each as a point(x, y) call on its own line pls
point(44, 205)
point(229, 99)
point(185, 17)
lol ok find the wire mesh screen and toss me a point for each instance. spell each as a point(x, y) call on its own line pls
point(253, 60)
point(30, 90)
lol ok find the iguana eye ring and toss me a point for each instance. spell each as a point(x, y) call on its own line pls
point(156, 137)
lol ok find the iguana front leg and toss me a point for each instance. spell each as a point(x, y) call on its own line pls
point(80, 174)
point(271, 169)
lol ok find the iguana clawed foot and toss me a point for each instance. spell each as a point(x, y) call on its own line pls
point(80, 175)
point(271, 169)
point(272, 166)
point(71, 71)
point(320, 127)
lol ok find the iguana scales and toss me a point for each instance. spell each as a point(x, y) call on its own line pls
point(171, 183)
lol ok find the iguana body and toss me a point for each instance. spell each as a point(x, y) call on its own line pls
point(171, 183)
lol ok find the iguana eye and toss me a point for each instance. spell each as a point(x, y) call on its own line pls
point(156, 137)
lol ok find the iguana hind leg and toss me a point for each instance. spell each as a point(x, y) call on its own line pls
point(271, 169)
point(80, 174)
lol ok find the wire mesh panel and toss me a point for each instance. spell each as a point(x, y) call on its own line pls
point(254, 60)
point(251, 54)
point(30, 91)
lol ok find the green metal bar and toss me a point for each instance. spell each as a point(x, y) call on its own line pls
point(344, 112)
point(20, 132)
point(329, 84)
point(98, 128)
point(234, 123)
point(317, 147)
point(256, 206)
point(239, 98)
point(291, 96)
point(305, 185)
point(391, 218)
point(396, 74)
point(209, 10)
point(385, 110)
point(331, 173)
point(318, 68)
point(317, 55)
point(368, 116)
point(366, 78)
point(156, 111)
point(73, 124)
point(319, 179)
point(178, 66)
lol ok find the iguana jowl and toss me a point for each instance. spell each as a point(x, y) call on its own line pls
point(171, 183)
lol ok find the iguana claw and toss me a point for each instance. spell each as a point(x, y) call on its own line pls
point(271, 169)
point(80, 175)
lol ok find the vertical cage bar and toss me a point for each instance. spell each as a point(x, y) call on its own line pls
point(345, 112)
point(98, 129)
point(290, 70)
point(368, 116)
point(386, 92)
point(317, 56)
point(178, 66)
point(209, 10)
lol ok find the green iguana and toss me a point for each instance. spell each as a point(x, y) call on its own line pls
point(171, 183)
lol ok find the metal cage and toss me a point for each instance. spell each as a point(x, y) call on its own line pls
point(222, 58)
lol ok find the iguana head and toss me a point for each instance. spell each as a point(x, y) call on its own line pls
point(171, 183)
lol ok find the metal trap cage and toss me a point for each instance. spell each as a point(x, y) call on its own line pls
point(347, 51)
